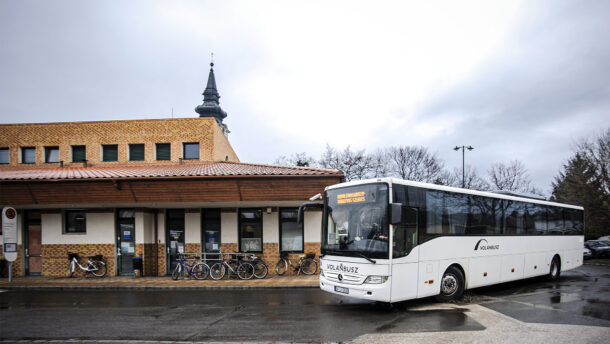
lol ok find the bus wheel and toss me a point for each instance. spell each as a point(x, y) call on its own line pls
point(555, 270)
point(452, 285)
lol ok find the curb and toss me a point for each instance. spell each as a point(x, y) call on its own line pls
point(149, 287)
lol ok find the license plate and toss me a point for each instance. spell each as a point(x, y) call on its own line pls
point(341, 290)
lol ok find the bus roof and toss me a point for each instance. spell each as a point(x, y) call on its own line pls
point(452, 189)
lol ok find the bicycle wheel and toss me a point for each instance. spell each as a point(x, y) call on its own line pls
point(177, 272)
point(201, 271)
point(217, 271)
point(309, 266)
point(245, 271)
point(281, 267)
point(71, 268)
point(260, 269)
point(97, 268)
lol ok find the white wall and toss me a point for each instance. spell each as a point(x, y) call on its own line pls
point(312, 223)
point(139, 227)
point(149, 230)
point(271, 227)
point(100, 230)
point(228, 228)
point(192, 227)
point(161, 227)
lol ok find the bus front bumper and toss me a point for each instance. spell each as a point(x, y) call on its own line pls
point(374, 292)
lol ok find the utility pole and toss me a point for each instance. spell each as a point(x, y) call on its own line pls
point(463, 148)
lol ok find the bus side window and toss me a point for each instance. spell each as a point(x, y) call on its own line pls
point(405, 234)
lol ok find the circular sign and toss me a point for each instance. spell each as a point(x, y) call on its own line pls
point(10, 213)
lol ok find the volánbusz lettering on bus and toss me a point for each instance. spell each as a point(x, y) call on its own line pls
point(342, 268)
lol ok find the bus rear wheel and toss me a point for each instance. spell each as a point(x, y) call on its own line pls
point(452, 285)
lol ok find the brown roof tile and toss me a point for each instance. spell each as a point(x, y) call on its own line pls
point(190, 169)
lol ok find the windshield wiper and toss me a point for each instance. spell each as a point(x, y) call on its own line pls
point(365, 257)
point(346, 253)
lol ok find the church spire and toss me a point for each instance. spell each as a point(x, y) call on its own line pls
point(211, 105)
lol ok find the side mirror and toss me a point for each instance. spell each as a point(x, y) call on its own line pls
point(307, 205)
point(395, 213)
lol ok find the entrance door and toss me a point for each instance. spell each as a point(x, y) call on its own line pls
point(175, 237)
point(210, 228)
point(33, 243)
point(126, 240)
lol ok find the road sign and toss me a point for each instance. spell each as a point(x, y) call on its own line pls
point(9, 234)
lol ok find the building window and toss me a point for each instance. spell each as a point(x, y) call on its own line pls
point(79, 153)
point(291, 234)
point(110, 152)
point(76, 221)
point(51, 154)
point(136, 152)
point(251, 230)
point(4, 156)
point(210, 228)
point(191, 150)
point(28, 155)
point(164, 151)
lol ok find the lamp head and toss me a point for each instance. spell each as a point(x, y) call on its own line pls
point(470, 148)
point(456, 148)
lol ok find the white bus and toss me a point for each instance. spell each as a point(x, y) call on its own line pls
point(392, 240)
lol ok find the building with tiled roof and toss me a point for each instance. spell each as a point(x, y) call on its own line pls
point(152, 189)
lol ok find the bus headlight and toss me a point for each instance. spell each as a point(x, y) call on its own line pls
point(322, 273)
point(376, 279)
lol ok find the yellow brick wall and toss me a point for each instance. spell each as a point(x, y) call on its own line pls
point(55, 258)
point(271, 254)
point(213, 145)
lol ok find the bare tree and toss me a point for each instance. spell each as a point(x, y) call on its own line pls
point(296, 159)
point(472, 179)
point(414, 163)
point(354, 164)
point(381, 164)
point(330, 158)
point(511, 177)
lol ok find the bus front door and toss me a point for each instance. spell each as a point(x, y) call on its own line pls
point(404, 264)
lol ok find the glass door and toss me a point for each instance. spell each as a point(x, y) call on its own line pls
point(126, 240)
point(210, 228)
point(175, 237)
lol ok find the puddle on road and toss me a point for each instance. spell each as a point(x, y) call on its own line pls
point(566, 297)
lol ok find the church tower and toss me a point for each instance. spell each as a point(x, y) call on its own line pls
point(211, 105)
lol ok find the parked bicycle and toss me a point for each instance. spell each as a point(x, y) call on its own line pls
point(95, 265)
point(197, 269)
point(307, 264)
point(243, 269)
point(260, 268)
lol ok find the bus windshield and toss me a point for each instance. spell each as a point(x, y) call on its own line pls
point(356, 221)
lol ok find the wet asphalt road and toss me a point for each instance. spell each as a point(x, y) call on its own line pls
point(580, 297)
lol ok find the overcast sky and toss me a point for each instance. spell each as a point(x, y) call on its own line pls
point(515, 79)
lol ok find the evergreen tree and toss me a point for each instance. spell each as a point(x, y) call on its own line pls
point(583, 182)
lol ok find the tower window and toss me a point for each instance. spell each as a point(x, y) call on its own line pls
point(79, 153)
point(51, 154)
point(136, 152)
point(191, 150)
point(28, 155)
point(110, 152)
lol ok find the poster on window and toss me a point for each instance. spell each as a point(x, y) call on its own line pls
point(251, 244)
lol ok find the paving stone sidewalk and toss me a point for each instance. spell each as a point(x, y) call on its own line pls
point(165, 282)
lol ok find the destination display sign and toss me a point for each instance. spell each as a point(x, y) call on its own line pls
point(353, 197)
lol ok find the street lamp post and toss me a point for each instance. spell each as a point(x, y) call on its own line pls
point(463, 148)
